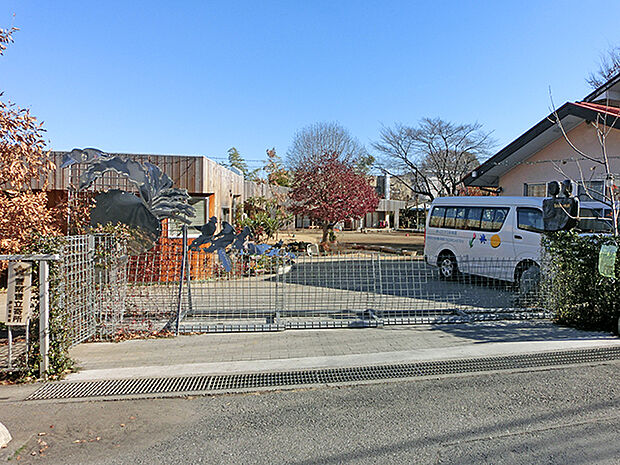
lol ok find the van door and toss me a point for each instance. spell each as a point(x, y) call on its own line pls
point(492, 242)
point(527, 234)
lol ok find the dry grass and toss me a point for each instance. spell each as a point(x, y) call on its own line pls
point(396, 239)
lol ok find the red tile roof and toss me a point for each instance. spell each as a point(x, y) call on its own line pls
point(605, 109)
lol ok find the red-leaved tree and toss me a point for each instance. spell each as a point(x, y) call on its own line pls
point(329, 190)
point(23, 157)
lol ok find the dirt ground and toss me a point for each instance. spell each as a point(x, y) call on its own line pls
point(395, 239)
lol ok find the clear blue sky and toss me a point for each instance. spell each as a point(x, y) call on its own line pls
point(198, 77)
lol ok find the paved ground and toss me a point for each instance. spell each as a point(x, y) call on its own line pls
point(289, 350)
point(564, 415)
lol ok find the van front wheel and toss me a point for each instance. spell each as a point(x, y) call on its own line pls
point(448, 268)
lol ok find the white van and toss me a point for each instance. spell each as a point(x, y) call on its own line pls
point(496, 237)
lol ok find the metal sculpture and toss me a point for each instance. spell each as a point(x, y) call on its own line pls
point(157, 198)
point(239, 243)
point(206, 233)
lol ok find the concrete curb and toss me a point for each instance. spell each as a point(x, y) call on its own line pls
point(5, 436)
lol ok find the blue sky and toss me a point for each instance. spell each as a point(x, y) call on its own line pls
point(198, 77)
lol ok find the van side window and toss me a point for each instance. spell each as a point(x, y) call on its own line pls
point(459, 221)
point(450, 217)
point(473, 218)
point(493, 219)
point(437, 217)
point(530, 219)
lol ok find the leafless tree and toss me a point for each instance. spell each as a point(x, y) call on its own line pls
point(609, 66)
point(587, 163)
point(311, 143)
point(432, 158)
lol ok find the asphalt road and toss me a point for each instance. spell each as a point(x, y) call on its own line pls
point(564, 416)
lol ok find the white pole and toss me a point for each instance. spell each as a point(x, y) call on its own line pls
point(10, 333)
point(44, 330)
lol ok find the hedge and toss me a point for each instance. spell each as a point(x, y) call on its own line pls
point(575, 290)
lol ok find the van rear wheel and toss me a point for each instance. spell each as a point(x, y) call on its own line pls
point(528, 279)
point(448, 268)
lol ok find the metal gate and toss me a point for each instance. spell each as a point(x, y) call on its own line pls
point(335, 291)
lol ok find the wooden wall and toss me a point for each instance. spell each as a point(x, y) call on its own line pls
point(185, 171)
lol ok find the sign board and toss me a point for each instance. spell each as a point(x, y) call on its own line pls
point(560, 214)
point(607, 261)
point(18, 298)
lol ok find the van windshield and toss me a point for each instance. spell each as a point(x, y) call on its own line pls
point(592, 220)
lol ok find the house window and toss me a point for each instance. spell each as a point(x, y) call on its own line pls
point(201, 204)
point(535, 189)
point(591, 190)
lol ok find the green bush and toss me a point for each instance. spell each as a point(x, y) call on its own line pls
point(578, 294)
point(59, 360)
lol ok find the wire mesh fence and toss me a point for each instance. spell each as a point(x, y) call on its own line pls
point(152, 289)
point(76, 288)
point(105, 292)
point(110, 260)
point(358, 289)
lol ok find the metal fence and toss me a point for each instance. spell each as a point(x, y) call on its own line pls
point(349, 290)
point(110, 260)
point(104, 292)
point(76, 288)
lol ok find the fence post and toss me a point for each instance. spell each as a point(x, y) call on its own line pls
point(279, 292)
point(44, 315)
point(188, 271)
point(380, 274)
point(181, 279)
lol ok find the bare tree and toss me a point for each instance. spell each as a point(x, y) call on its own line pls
point(432, 158)
point(609, 66)
point(311, 143)
point(587, 163)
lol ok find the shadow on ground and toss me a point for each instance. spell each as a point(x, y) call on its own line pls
point(517, 332)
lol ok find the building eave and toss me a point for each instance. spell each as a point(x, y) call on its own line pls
point(536, 138)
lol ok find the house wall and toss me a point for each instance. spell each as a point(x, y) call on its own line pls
point(185, 172)
point(549, 166)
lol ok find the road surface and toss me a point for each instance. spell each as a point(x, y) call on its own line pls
point(560, 416)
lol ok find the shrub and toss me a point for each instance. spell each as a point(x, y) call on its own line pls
point(578, 294)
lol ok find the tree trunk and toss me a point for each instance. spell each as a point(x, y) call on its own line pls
point(326, 229)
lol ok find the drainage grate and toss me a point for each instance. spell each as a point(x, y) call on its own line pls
point(220, 383)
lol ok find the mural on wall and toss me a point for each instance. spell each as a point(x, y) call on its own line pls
point(157, 199)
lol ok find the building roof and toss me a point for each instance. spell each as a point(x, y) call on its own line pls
point(609, 90)
point(603, 109)
point(600, 104)
point(546, 131)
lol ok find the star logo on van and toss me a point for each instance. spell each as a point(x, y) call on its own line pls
point(483, 239)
